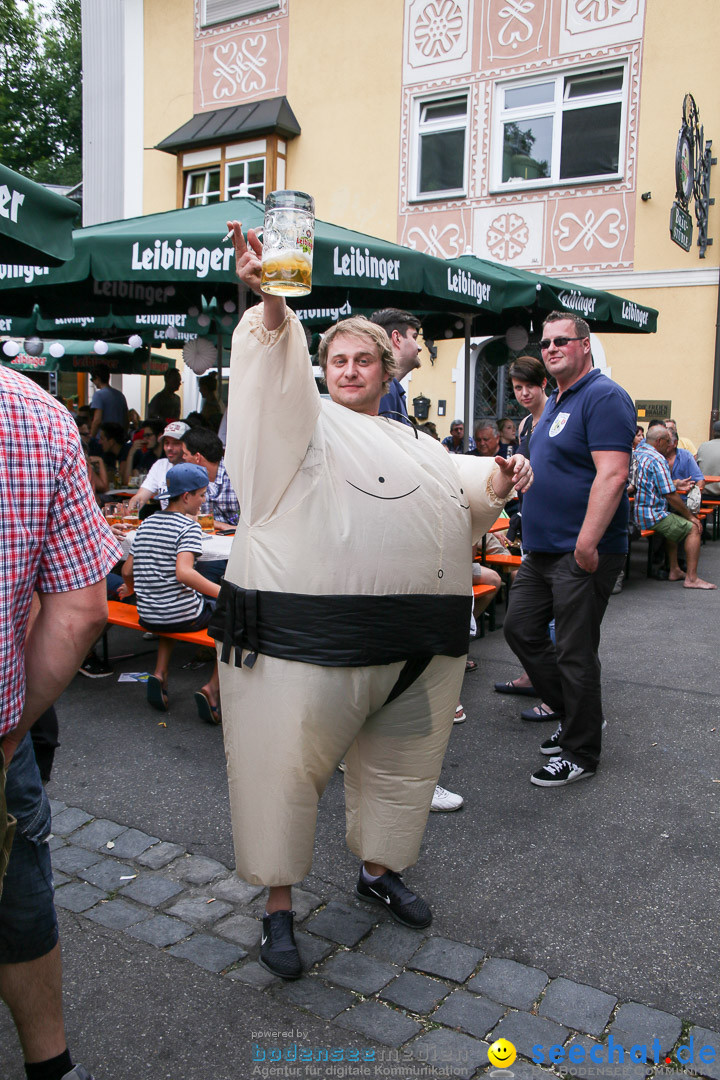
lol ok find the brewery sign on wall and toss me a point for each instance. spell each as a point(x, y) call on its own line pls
point(693, 160)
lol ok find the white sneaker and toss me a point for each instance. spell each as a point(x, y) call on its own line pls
point(444, 801)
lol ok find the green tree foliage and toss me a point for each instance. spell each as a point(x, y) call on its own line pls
point(41, 90)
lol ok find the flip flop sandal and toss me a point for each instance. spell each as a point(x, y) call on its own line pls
point(510, 687)
point(471, 665)
point(460, 715)
point(206, 711)
point(157, 694)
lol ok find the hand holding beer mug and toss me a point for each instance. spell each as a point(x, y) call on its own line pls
point(287, 249)
point(288, 235)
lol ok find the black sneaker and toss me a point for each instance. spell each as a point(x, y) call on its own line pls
point(94, 668)
point(404, 906)
point(278, 951)
point(552, 746)
point(559, 772)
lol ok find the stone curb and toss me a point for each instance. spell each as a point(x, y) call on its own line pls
point(436, 1002)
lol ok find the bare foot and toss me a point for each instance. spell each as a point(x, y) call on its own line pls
point(522, 680)
point(211, 694)
point(676, 575)
point(697, 583)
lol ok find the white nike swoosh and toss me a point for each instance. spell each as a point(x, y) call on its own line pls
point(380, 896)
point(263, 939)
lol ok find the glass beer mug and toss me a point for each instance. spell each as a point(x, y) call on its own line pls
point(288, 235)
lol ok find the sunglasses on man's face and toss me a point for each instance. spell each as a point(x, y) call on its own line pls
point(558, 342)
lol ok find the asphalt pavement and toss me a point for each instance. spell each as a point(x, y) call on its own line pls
point(611, 882)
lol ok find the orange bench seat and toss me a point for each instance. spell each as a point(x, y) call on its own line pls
point(127, 615)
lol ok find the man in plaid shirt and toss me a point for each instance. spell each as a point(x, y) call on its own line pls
point(57, 552)
point(659, 507)
point(203, 447)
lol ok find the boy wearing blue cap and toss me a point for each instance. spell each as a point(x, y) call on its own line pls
point(171, 595)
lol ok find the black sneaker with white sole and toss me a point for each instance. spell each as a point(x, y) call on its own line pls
point(558, 772)
point(93, 667)
point(552, 746)
point(406, 907)
point(278, 951)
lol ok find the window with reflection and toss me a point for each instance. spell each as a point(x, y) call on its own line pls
point(560, 128)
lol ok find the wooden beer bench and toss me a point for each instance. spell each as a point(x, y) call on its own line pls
point(127, 615)
point(485, 590)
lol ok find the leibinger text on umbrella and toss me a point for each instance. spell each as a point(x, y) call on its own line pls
point(575, 301)
point(614, 1053)
point(27, 273)
point(461, 282)
point(358, 264)
point(324, 313)
point(181, 256)
point(15, 198)
point(634, 314)
point(134, 290)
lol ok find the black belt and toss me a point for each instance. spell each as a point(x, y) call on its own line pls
point(339, 631)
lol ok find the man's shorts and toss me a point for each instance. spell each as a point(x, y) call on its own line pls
point(190, 626)
point(674, 528)
point(7, 824)
point(28, 924)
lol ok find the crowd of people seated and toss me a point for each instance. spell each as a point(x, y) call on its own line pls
point(177, 469)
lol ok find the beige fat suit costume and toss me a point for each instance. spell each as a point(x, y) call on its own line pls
point(343, 507)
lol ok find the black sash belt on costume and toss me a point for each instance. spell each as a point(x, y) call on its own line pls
point(339, 631)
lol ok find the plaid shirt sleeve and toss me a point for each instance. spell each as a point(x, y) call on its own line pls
point(662, 475)
point(79, 548)
point(221, 497)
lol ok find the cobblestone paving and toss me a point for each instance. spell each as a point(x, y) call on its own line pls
point(427, 998)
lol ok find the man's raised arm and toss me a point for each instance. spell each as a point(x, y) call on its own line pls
point(273, 403)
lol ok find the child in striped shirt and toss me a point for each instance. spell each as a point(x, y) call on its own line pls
point(172, 597)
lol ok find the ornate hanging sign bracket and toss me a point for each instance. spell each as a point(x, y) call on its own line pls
point(693, 161)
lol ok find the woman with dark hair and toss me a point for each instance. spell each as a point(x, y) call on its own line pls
point(529, 379)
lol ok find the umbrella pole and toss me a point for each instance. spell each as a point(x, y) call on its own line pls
point(715, 404)
point(220, 364)
point(466, 385)
point(147, 380)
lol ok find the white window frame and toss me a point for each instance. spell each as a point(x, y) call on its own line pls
point(215, 12)
point(245, 162)
point(556, 109)
point(196, 199)
point(435, 126)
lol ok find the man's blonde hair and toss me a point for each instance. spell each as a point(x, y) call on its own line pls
point(359, 326)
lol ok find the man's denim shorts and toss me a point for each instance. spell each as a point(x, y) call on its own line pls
point(28, 924)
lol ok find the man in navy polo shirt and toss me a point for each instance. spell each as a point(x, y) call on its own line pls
point(402, 328)
point(575, 537)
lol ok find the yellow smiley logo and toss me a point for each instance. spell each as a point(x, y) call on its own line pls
point(502, 1053)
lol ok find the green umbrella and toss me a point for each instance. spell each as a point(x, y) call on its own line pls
point(35, 223)
point(602, 310)
point(167, 262)
point(151, 327)
point(80, 357)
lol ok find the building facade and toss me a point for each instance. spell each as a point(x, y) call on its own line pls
point(537, 133)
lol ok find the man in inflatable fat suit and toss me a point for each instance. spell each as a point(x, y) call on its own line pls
point(342, 624)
